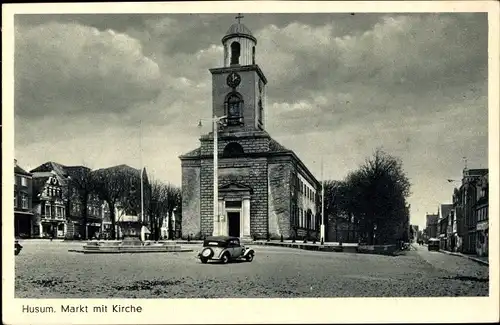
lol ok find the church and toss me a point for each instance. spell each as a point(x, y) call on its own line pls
point(262, 189)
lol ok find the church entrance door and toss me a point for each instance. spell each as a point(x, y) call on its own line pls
point(234, 223)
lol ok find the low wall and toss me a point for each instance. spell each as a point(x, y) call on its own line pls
point(378, 249)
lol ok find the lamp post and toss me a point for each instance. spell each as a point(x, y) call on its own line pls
point(216, 120)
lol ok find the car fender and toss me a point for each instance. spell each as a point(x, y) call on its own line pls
point(248, 251)
point(222, 252)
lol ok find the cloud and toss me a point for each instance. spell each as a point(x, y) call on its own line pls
point(70, 68)
point(394, 64)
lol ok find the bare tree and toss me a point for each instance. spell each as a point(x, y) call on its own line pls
point(165, 198)
point(80, 179)
point(113, 185)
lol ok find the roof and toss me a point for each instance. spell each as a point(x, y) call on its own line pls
point(51, 166)
point(275, 146)
point(193, 153)
point(238, 30)
point(19, 170)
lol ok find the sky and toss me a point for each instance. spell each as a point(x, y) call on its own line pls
point(340, 85)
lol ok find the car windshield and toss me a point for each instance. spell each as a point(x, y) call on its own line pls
point(214, 243)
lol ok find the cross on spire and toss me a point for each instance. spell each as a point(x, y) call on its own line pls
point(239, 17)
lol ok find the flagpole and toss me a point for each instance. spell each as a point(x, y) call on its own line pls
point(142, 184)
point(322, 229)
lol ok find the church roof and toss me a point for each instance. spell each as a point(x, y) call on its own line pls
point(275, 146)
point(193, 153)
point(238, 29)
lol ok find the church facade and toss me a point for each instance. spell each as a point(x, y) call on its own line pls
point(264, 189)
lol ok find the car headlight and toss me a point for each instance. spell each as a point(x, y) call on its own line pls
point(206, 252)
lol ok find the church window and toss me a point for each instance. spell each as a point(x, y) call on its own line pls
point(234, 109)
point(235, 53)
point(233, 149)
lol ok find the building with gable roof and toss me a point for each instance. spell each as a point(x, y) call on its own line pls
point(23, 201)
point(264, 189)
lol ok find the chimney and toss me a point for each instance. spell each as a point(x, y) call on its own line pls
point(15, 162)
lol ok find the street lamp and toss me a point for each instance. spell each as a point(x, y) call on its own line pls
point(215, 123)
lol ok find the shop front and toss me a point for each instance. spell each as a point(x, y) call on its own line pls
point(482, 239)
point(52, 229)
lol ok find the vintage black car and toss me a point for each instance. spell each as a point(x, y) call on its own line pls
point(433, 244)
point(224, 249)
point(17, 247)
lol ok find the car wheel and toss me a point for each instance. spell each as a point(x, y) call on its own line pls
point(249, 257)
point(225, 258)
point(204, 260)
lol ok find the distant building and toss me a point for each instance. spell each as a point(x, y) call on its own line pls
point(23, 201)
point(431, 225)
point(482, 218)
point(465, 202)
point(60, 201)
point(414, 233)
point(443, 218)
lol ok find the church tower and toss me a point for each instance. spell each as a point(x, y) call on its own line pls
point(256, 188)
point(239, 87)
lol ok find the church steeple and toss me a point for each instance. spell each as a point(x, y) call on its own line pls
point(239, 87)
point(239, 45)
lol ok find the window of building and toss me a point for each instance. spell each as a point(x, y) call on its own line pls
point(47, 209)
point(24, 181)
point(233, 149)
point(24, 200)
point(253, 54)
point(234, 108)
point(235, 53)
point(15, 199)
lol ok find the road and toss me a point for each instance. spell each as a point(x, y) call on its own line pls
point(48, 270)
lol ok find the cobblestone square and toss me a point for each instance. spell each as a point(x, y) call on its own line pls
point(46, 269)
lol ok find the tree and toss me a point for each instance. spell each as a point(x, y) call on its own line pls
point(174, 202)
point(165, 198)
point(80, 179)
point(376, 196)
point(112, 185)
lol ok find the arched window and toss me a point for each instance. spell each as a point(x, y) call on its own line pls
point(233, 149)
point(234, 108)
point(235, 53)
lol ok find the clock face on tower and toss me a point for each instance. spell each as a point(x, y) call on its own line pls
point(233, 80)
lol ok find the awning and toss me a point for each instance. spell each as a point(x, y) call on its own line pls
point(145, 230)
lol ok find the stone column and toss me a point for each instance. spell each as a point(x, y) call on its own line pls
point(245, 217)
point(41, 229)
point(222, 218)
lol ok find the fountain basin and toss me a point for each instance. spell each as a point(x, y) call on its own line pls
point(120, 247)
